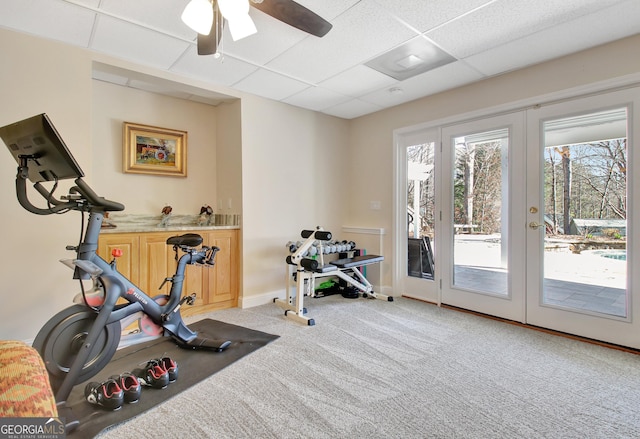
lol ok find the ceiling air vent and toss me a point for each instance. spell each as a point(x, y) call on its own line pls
point(412, 58)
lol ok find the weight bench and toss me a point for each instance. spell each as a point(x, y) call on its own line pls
point(308, 270)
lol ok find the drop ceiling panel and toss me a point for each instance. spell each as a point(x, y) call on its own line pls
point(135, 43)
point(273, 38)
point(358, 81)
point(316, 98)
point(357, 35)
point(270, 85)
point(55, 20)
point(330, 9)
point(158, 14)
point(505, 21)
point(352, 108)
point(579, 34)
point(222, 71)
point(426, 15)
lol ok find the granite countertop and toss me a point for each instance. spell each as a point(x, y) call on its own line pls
point(123, 223)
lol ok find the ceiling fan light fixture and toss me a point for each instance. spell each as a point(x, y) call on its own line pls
point(241, 28)
point(236, 12)
point(198, 15)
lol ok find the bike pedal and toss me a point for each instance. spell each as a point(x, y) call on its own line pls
point(206, 344)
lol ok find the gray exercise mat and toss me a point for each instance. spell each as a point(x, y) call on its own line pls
point(193, 367)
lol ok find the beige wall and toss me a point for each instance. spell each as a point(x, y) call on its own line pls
point(147, 194)
point(298, 168)
point(295, 176)
point(39, 77)
point(229, 158)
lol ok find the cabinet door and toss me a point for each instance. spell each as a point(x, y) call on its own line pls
point(157, 262)
point(222, 279)
point(194, 283)
point(128, 262)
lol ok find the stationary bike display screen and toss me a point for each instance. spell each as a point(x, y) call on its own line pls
point(37, 140)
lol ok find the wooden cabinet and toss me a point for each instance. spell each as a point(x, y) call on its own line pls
point(157, 262)
point(221, 282)
point(128, 262)
point(147, 260)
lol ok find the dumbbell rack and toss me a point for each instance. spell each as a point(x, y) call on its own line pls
point(308, 270)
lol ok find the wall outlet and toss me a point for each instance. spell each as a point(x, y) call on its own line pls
point(374, 205)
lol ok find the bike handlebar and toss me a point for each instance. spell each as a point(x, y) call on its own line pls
point(87, 200)
point(57, 206)
point(93, 198)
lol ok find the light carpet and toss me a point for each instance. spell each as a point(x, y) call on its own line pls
point(402, 369)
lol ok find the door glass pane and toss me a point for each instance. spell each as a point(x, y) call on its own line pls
point(480, 208)
point(420, 210)
point(585, 221)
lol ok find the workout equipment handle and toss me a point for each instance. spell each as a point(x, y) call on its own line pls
point(23, 199)
point(55, 205)
point(93, 198)
point(309, 264)
point(320, 235)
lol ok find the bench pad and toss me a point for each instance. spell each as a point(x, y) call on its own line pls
point(325, 268)
point(357, 261)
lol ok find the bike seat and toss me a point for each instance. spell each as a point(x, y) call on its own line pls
point(188, 240)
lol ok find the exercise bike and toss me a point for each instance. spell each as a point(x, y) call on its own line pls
point(79, 341)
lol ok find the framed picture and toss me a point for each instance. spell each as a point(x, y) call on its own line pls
point(154, 150)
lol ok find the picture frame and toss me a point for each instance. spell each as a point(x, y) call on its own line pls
point(154, 150)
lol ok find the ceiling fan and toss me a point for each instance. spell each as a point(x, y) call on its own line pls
point(208, 17)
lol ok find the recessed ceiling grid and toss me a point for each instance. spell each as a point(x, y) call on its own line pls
point(333, 74)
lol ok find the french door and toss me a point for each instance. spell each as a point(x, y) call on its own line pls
point(418, 229)
point(528, 216)
point(582, 213)
point(482, 186)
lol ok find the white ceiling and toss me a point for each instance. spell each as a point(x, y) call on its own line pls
point(485, 37)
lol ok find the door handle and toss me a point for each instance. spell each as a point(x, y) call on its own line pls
point(534, 225)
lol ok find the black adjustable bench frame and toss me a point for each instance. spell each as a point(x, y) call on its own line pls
point(308, 270)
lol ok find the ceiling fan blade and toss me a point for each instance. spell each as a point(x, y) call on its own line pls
point(208, 44)
point(296, 15)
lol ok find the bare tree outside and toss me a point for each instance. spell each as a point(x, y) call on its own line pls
point(423, 156)
point(593, 183)
point(477, 186)
point(421, 210)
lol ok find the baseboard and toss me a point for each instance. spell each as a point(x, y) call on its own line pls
point(260, 299)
